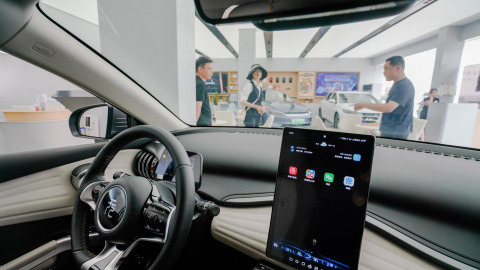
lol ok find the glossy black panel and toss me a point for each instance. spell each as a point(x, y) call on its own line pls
point(18, 239)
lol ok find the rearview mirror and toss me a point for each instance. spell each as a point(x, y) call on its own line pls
point(288, 14)
point(98, 121)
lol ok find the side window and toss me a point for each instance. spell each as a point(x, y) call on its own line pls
point(334, 97)
point(35, 106)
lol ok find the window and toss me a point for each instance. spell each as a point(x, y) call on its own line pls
point(26, 90)
point(131, 43)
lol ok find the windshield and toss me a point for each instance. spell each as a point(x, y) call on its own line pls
point(399, 62)
point(277, 96)
point(356, 98)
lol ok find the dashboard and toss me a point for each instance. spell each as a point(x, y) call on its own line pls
point(404, 203)
point(408, 202)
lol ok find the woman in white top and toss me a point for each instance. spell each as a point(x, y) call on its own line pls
point(251, 96)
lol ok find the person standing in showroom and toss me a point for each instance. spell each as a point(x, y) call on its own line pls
point(251, 96)
point(204, 71)
point(397, 117)
point(432, 98)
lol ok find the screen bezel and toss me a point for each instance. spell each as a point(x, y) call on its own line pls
point(356, 253)
point(199, 163)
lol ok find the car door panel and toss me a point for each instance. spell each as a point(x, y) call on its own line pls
point(36, 206)
point(331, 108)
point(49, 193)
point(326, 108)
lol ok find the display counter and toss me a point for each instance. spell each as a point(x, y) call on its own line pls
point(19, 136)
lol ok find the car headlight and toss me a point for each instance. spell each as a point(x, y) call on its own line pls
point(275, 112)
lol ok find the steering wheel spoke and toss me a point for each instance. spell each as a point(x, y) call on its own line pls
point(107, 259)
point(112, 256)
point(157, 217)
point(90, 194)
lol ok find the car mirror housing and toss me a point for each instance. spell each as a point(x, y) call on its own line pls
point(270, 15)
point(101, 121)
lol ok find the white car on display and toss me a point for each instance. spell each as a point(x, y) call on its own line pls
point(337, 103)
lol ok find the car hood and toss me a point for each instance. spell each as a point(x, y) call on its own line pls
point(349, 107)
point(286, 107)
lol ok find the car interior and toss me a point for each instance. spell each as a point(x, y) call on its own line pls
point(128, 180)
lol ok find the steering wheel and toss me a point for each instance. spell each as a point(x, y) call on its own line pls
point(133, 209)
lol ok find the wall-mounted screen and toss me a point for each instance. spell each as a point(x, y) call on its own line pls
point(218, 82)
point(328, 82)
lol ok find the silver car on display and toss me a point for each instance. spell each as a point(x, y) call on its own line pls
point(285, 110)
point(338, 103)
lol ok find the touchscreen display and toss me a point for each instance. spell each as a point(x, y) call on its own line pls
point(320, 200)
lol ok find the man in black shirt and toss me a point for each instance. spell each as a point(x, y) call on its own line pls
point(204, 71)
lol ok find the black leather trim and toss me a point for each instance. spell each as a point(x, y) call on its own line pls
point(18, 239)
point(81, 254)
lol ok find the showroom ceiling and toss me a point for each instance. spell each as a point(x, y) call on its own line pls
point(290, 44)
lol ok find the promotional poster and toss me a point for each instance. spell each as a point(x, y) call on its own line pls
point(334, 82)
point(218, 82)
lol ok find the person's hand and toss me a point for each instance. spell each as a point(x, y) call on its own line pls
point(260, 109)
point(358, 106)
point(431, 97)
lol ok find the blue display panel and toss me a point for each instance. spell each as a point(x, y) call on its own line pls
point(328, 82)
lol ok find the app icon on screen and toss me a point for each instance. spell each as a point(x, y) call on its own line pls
point(292, 170)
point(348, 181)
point(310, 174)
point(357, 157)
point(328, 177)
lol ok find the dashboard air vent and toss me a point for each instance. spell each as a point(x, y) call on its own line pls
point(145, 164)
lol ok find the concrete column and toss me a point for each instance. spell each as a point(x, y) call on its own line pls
point(155, 46)
point(246, 54)
point(447, 61)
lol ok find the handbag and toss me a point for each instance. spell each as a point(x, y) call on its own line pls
point(241, 114)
